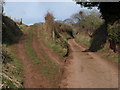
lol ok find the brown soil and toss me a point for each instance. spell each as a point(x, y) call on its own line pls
point(40, 49)
point(82, 69)
point(88, 70)
point(33, 78)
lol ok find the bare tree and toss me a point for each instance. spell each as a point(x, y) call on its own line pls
point(49, 21)
point(78, 16)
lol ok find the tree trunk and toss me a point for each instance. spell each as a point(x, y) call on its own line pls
point(112, 45)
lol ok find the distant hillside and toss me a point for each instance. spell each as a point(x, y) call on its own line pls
point(11, 32)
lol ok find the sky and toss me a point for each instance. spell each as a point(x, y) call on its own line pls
point(33, 12)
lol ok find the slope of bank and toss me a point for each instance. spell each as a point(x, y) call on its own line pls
point(12, 66)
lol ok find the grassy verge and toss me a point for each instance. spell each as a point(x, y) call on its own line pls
point(66, 36)
point(18, 64)
point(109, 55)
point(85, 41)
point(12, 69)
point(54, 68)
point(59, 46)
point(50, 71)
point(9, 84)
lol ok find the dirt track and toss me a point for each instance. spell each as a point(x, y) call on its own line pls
point(83, 70)
point(33, 78)
point(88, 70)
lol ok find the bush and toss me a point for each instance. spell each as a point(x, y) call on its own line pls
point(10, 31)
point(114, 33)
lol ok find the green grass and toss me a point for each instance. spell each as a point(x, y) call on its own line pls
point(15, 73)
point(117, 58)
point(109, 55)
point(58, 45)
point(18, 64)
point(66, 36)
point(23, 27)
point(47, 58)
point(9, 83)
point(30, 51)
point(19, 68)
point(84, 40)
point(104, 50)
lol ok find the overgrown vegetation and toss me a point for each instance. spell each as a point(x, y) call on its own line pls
point(109, 10)
point(11, 67)
point(114, 35)
point(110, 13)
point(114, 32)
point(57, 35)
point(10, 31)
point(83, 40)
point(89, 29)
point(59, 46)
point(87, 21)
point(92, 32)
